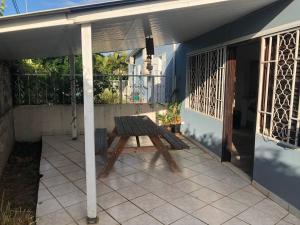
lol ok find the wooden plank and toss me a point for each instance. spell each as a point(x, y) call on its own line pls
point(172, 139)
point(138, 141)
point(164, 151)
point(228, 105)
point(114, 156)
point(112, 137)
point(101, 144)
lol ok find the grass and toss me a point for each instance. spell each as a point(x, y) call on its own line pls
point(9, 216)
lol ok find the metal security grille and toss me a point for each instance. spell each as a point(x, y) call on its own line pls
point(206, 73)
point(279, 109)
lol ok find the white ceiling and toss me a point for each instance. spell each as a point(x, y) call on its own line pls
point(124, 32)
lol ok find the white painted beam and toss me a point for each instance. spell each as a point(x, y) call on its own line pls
point(89, 130)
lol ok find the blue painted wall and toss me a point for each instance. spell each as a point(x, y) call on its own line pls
point(275, 168)
point(278, 169)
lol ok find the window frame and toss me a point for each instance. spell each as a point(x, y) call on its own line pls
point(220, 74)
point(266, 61)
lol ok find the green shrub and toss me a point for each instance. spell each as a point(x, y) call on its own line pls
point(108, 96)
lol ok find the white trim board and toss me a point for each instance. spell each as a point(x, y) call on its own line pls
point(248, 37)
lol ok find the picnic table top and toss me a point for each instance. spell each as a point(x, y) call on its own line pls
point(136, 126)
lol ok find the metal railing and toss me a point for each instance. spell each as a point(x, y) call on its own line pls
point(39, 89)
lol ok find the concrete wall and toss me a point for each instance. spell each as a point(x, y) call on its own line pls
point(275, 168)
point(278, 169)
point(6, 116)
point(206, 130)
point(31, 122)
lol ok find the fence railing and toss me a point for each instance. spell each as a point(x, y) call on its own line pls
point(38, 89)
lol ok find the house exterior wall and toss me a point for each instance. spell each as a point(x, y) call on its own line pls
point(275, 168)
point(6, 116)
point(167, 68)
point(33, 121)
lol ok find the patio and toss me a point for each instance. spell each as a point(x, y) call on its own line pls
point(138, 193)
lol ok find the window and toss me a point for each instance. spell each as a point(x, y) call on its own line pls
point(279, 106)
point(206, 74)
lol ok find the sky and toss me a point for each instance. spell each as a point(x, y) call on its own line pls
point(37, 5)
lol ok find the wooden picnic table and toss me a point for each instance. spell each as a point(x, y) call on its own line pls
point(136, 126)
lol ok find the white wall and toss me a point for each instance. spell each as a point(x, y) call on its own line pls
point(32, 121)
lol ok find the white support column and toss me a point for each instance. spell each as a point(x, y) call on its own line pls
point(73, 96)
point(89, 130)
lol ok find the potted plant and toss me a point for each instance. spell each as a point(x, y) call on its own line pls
point(165, 120)
point(174, 112)
point(171, 118)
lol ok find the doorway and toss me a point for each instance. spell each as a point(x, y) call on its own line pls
point(241, 105)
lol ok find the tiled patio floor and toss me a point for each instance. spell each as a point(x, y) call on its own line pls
point(136, 193)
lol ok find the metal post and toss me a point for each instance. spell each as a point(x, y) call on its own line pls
point(120, 90)
point(89, 128)
point(73, 96)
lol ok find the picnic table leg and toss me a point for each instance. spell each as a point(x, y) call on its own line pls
point(164, 151)
point(114, 156)
point(112, 137)
point(155, 157)
point(138, 141)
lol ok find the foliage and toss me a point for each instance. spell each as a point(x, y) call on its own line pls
point(172, 115)
point(2, 7)
point(108, 96)
point(10, 216)
point(111, 64)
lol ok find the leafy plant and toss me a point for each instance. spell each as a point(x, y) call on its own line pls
point(2, 7)
point(108, 96)
point(10, 216)
point(171, 116)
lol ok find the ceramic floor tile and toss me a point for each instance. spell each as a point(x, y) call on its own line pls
point(111, 199)
point(43, 195)
point(271, 208)
point(187, 186)
point(206, 195)
point(124, 212)
point(138, 177)
point(77, 175)
point(188, 203)
point(168, 193)
point(256, 217)
point(144, 219)
point(132, 192)
point(79, 211)
point(54, 181)
point(230, 206)
point(222, 188)
point(203, 180)
point(59, 217)
point(245, 197)
point(104, 219)
point(71, 198)
point(63, 189)
point(292, 219)
point(189, 220)
point(235, 221)
point(211, 215)
point(47, 207)
point(148, 202)
point(167, 213)
point(69, 169)
point(50, 173)
point(118, 183)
